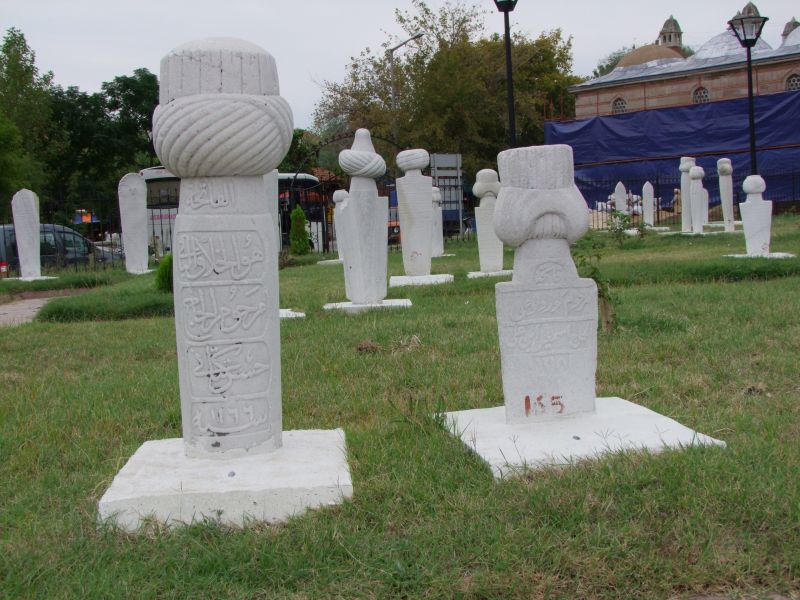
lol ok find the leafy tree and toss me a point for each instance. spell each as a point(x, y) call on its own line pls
point(131, 101)
point(298, 236)
point(450, 89)
point(610, 62)
point(302, 155)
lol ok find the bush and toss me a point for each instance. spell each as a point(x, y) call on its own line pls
point(298, 236)
point(164, 274)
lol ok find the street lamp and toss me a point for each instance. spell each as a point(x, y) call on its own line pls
point(505, 7)
point(748, 26)
point(390, 52)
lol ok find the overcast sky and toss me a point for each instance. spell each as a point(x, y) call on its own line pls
point(87, 42)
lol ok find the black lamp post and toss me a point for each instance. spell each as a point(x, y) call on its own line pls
point(505, 7)
point(748, 26)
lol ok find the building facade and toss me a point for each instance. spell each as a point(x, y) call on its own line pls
point(658, 75)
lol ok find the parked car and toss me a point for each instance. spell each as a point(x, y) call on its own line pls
point(59, 246)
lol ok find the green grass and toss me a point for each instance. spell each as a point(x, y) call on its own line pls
point(67, 279)
point(427, 518)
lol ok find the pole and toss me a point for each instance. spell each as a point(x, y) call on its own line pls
point(512, 126)
point(395, 132)
point(752, 115)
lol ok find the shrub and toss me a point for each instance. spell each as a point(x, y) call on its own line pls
point(164, 274)
point(298, 236)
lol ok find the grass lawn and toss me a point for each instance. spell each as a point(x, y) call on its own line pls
point(714, 347)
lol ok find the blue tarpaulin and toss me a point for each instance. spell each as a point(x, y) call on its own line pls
point(647, 146)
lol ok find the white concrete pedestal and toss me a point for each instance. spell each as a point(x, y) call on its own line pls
point(159, 481)
point(479, 274)
point(330, 261)
point(288, 313)
point(402, 280)
point(39, 278)
point(769, 255)
point(615, 425)
point(352, 308)
point(443, 256)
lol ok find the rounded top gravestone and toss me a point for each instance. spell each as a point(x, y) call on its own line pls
point(413, 160)
point(724, 166)
point(220, 113)
point(339, 196)
point(687, 162)
point(754, 184)
point(486, 182)
point(697, 172)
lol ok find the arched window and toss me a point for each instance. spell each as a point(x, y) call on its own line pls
point(701, 96)
point(619, 106)
point(793, 82)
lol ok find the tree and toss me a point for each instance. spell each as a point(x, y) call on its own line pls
point(609, 63)
point(298, 236)
point(451, 88)
point(131, 101)
point(302, 154)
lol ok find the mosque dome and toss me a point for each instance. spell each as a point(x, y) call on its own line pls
point(793, 39)
point(725, 44)
point(649, 53)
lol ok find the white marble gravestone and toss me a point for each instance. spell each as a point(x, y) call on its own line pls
point(272, 184)
point(687, 162)
point(648, 204)
point(696, 175)
point(620, 198)
point(725, 172)
point(132, 192)
point(437, 229)
point(490, 248)
point(757, 221)
point(25, 211)
point(220, 126)
point(414, 192)
point(362, 227)
point(547, 323)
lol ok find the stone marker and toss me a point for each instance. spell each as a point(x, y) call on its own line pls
point(437, 231)
point(339, 206)
point(687, 162)
point(25, 211)
point(725, 172)
point(490, 248)
point(547, 323)
point(221, 125)
point(648, 204)
point(414, 192)
point(621, 198)
point(272, 183)
point(362, 229)
point(756, 216)
point(696, 175)
point(133, 218)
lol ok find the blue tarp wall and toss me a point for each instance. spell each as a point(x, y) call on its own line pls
point(647, 146)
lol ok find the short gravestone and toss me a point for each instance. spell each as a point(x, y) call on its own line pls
point(437, 225)
point(414, 193)
point(362, 225)
point(220, 126)
point(687, 162)
point(25, 211)
point(621, 198)
point(725, 172)
point(132, 192)
point(490, 248)
point(648, 204)
point(547, 324)
point(757, 221)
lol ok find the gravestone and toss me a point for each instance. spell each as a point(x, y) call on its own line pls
point(621, 198)
point(220, 126)
point(133, 218)
point(25, 211)
point(725, 172)
point(547, 323)
point(648, 204)
point(272, 183)
point(756, 217)
point(490, 248)
point(437, 229)
point(696, 175)
point(414, 191)
point(687, 162)
point(362, 227)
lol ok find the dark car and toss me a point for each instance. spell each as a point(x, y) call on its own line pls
point(60, 246)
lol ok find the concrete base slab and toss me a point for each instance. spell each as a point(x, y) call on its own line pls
point(701, 234)
point(40, 278)
point(142, 272)
point(288, 313)
point(657, 229)
point(615, 425)
point(331, 261)
point(479, 274)
point(161, 483)
point(402, 280)
point(351, 308)
point(720, 223)
point(770, 255)
point(443, 256)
